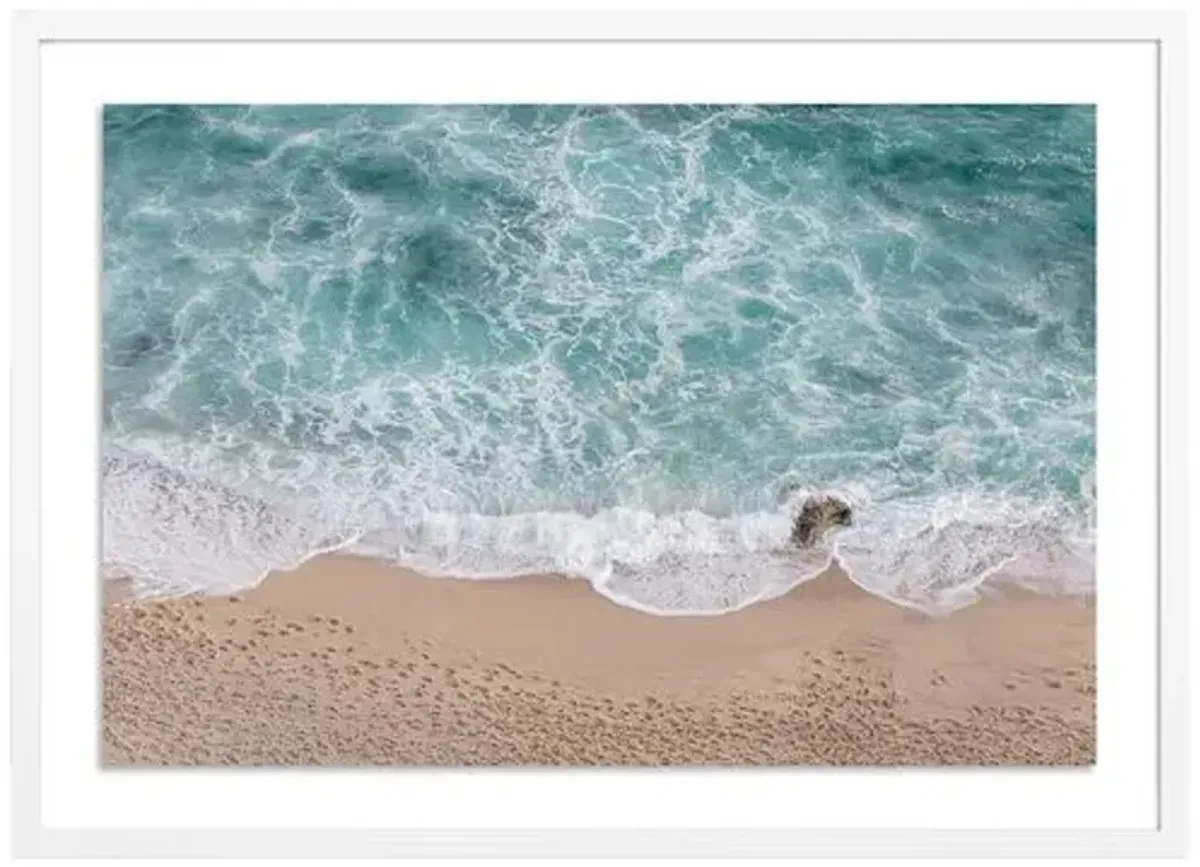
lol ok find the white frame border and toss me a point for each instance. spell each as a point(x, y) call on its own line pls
point(30, 30)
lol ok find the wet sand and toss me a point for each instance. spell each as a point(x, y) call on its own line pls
point(347, 661)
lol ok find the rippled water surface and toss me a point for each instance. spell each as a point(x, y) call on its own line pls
point(605, 341)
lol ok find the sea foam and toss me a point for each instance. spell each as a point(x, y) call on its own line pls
point(482, 341)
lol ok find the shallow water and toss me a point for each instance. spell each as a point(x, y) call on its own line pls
point(604, 341)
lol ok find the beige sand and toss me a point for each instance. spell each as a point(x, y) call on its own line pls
point(348, 661)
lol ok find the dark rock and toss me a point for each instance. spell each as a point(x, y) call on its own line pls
point(819, 514)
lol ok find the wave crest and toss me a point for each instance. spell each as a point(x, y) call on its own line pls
point(173, 534)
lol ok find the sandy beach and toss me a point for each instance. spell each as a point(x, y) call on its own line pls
point(348, 661)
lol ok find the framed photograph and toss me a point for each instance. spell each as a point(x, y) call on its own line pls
point(589, 433)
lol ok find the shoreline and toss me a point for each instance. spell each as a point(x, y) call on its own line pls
point(606, 543)
point(349, 661)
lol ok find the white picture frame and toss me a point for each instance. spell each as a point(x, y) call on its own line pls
point(39, 826)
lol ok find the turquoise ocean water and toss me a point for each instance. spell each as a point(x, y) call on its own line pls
point(615, 342)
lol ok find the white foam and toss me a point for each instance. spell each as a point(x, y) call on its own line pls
point(936, 554)
point(676, 563)
point(174, 534)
